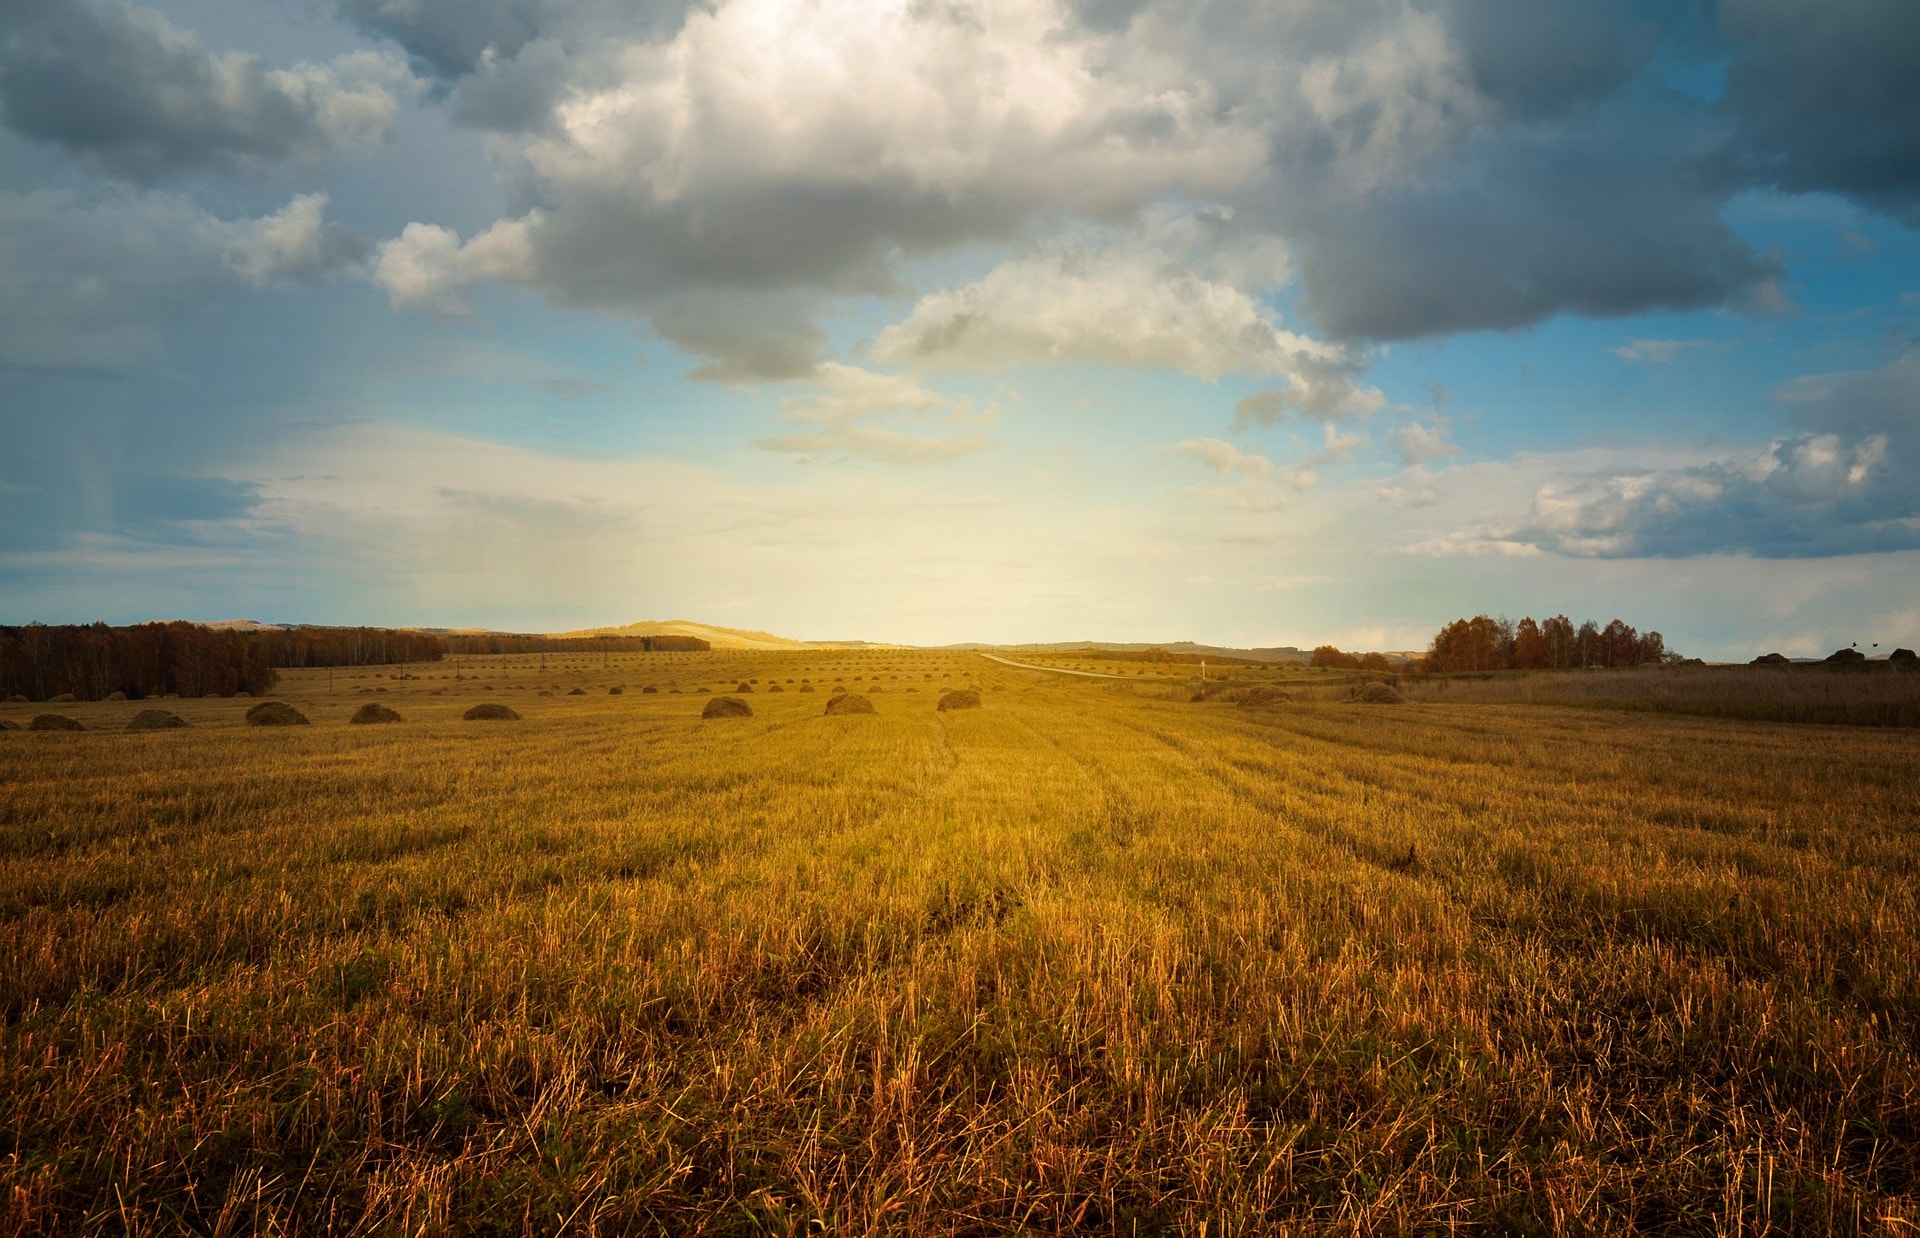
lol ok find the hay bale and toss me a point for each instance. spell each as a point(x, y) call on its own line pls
point(1845, 657)
point(1376, 694)
point(616, 691)
point(959, 698)
point(743, 687)
point(373, 712)
point(491, 711)
point(157, 720)
point(15, 697)
point(54, 722)
point(850, 703)
point(578, 692)
point(8, 724)
point(275, 713)
point(703, 691)
point(63, 698)
point(1769, 659)
point(1906, 659)
point(774, 687)
point(1267, 694)
point(116, 696)
point(727, 707)
point(806, 687)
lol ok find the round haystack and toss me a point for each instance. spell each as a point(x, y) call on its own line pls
point(578, 692)
point(959, 698)
point(850, 703)
point(1266, 694)
point(743, 687)
point(1376, 694)
point(15, 697)
point(275, 713)
point(1770, 659)
point(1904, 658)
point(1845, 657)
point(491, 711)
point(8, 724)
point(700, 691)
point(774, 687)
point(616, 691)
point(373, 712)
point(62, 698)
point(806, 687)
point(727, 707)
point(54, 722)
point(650, 690)
point(157, 720)
point(245, 693)
point(116, 696)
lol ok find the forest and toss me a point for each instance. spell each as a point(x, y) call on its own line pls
point(1486, 644)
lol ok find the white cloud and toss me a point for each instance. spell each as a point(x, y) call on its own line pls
point(428, 266)
point(295, 242)
point(842, 414)
point(1115, 307)
point(1420, 443)
point(1250, 481)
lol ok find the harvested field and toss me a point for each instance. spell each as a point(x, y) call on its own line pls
point(1098, 959)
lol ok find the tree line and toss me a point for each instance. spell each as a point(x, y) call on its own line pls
point(94, 661)
point(1486, 644)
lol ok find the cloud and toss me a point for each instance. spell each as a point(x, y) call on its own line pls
point(1848, 483)
point(429, 266)
point(1420, 443)
point(295, 242)
point(1656, 352)
point(95, 287)
point(1250, 481)
point(127, 89)
point(745, 156)
point(1606, 217)
point(848, 399)
point(1121, 306)
point(1826, 97)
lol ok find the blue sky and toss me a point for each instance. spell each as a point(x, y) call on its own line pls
point(1248, 323)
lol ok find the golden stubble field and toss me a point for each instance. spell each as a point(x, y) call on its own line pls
point(1094, 958)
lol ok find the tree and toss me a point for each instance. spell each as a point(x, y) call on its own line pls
point(1529, 646)
point(1327, 655)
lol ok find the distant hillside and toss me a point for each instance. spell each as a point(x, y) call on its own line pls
point(1277, 653)
point(718, 637)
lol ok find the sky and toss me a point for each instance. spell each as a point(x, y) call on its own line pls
point(1251, 322)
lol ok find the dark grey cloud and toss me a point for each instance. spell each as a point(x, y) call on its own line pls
point(97, 286)
point(450, 37)
point(1828, 96)
point(1849, 484)
point(129, 90)
point(1599, 220)
point(453, 38)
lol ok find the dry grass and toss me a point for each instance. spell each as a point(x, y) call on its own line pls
point(1876, 695)
point(1089, 960)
